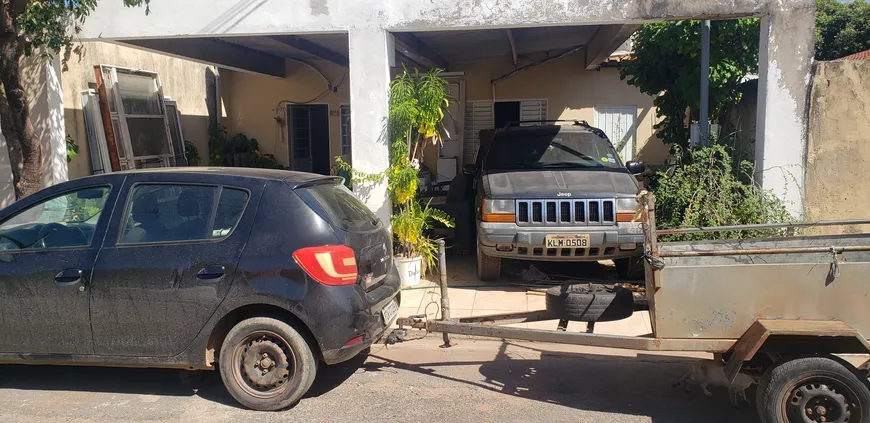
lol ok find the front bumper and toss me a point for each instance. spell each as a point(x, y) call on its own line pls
point(507, 240)
point(347, 315)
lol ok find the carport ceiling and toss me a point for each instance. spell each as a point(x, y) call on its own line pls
point(461, 46)
point(301, 47)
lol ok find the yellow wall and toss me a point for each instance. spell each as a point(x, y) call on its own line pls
point(253, 101)
point(184, 81)
point(571, 92)
point(838, 154)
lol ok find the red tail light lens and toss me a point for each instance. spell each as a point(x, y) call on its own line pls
point(332, 265)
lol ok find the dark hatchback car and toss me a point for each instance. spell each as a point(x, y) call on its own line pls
point(263, 273)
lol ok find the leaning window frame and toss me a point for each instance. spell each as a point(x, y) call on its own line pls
point(119, 116)
point(128, 202)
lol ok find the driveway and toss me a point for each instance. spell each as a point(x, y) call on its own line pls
point(410, 382)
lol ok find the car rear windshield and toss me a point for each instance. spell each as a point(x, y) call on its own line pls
point(550, 149)
point(345, 211)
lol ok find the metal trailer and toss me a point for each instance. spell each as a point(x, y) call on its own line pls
point(779, 307)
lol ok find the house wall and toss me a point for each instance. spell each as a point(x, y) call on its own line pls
point(571, 92)
point(785, 59)
point(254, 101)
point(183, 80)
point(838, 156)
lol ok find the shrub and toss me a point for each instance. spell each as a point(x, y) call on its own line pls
point(711, 190)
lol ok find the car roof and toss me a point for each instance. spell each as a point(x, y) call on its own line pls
point(549, 128)
point(246, 172)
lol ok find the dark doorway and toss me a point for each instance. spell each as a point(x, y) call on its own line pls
point(505, 112)
point(309, 138)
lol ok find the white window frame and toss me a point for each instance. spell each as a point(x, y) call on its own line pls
point(544, 110)
point(471, 144)
point(630, 147)
point(125, 146)
point(167, 104)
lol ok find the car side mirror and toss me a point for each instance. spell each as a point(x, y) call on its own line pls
point(635, 168)
point(470, 169)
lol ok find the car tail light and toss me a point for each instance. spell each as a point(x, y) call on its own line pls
point(331, 265)
point(354, 341)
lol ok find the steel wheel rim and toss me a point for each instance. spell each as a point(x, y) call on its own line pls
point(267, 354)
point(820, 399)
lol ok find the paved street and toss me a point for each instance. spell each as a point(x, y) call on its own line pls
point(411, 382)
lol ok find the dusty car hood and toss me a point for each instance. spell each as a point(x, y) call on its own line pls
point(549, 183)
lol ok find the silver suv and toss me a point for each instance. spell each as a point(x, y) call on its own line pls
point(555, 193)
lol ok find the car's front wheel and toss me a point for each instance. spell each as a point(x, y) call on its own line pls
point(488, 267)
point(266, 364)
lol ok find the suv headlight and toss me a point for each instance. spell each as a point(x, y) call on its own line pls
point(498, 211)
point(627, 209)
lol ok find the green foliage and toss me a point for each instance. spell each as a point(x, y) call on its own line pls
point(712, 190)
point(191, 154)
point(842, 29)
point(54, 23)
point(666, 63)
point(417, 106)
point(72, 149)
point(410, 225)
point(238, 151)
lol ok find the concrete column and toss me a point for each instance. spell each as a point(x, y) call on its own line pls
point(785, 68)
point(369, 109)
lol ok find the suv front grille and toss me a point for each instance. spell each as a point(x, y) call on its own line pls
point(565, 212)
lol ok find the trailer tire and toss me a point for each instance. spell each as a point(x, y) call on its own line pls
point(804, 389)
point(590, 303)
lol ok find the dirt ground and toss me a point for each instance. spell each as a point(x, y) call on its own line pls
point(410, 382)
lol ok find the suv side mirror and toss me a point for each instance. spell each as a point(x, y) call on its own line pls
point(635, 168)
point(470, 169)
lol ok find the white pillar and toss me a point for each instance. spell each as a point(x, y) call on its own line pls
point(369, 109)
point(41, 79)
point(785, 68)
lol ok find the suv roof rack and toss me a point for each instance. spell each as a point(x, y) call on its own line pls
point(574, 122)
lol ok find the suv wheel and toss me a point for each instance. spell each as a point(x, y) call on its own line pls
point(266, 365)
point(488, 268)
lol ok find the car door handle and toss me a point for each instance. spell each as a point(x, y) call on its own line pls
point(211, 273)
point(68, 277)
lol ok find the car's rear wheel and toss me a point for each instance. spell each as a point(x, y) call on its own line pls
point(488, 267)
point(266, 364)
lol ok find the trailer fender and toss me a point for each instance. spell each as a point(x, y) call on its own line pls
point(799, 336)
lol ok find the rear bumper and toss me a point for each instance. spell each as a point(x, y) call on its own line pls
point(361, 317)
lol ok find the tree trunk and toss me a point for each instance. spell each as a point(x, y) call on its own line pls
point(25, 150)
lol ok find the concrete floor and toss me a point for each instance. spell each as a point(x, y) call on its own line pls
point(472, 297)
point(485, 381)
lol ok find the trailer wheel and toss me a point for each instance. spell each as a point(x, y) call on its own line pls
point(590, 303)
point(813, 389)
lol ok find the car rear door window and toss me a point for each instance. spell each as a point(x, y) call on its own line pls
point(177, 213)
point(344, 210)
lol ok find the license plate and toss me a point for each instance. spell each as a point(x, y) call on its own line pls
point(567, 241)
point(390, 311)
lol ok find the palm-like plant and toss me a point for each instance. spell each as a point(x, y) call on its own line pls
point(410, 225)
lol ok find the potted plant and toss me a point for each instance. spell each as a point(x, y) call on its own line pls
point(417, 106)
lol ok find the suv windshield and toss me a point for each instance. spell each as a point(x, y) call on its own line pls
point(550, 149)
